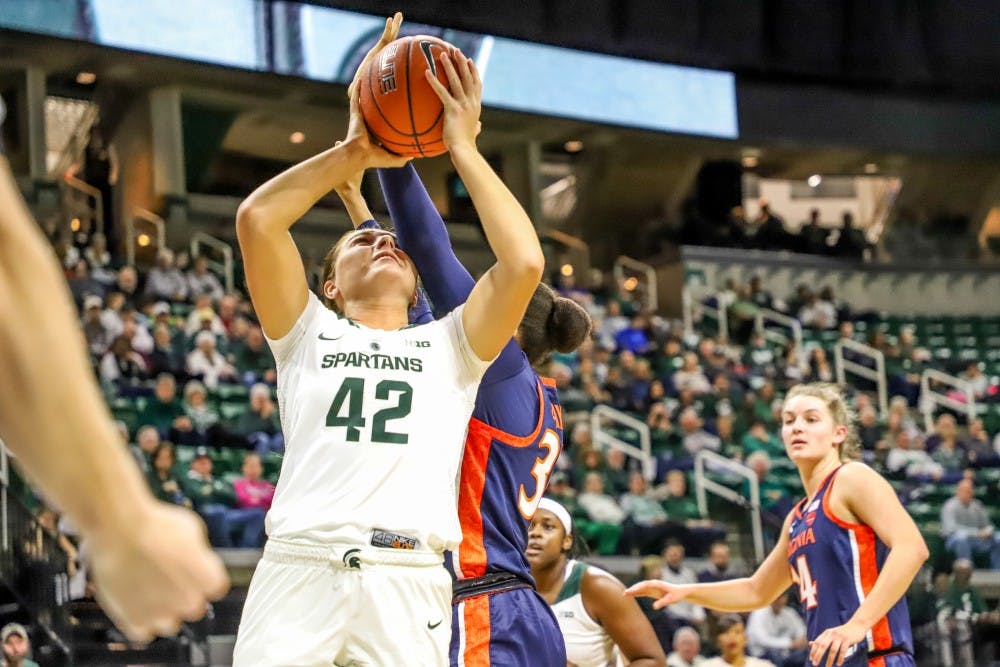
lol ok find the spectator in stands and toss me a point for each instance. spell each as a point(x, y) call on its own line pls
point(636, 337)
point(851, 243)
point(600, 508)
point(165, 282)
point(694, 438)
point(763, 407)
point(646, 527)
point(252, 492)
point(683, 509)
point(691, 376)
point(725, 428)
point(147, 440)
point(228, 311)
point(771, 232)
point(742, 313)
point(123, 367)
point(958, 609)
point(207, 362)
point(259, 424)
point(99, 258)
point(869, 431)
point(114, 306)
point(675, 571)
point(162, 480)
point(214, 500)
point(774, 496)
point(980, 383)
point(165, 412)
point(203, 417)
point(758, 355)
point(81, 283)
point(812, 235)
point(820, 368)
point(759, 295)
point(136, 332)
point(944, 446)
point(616, 473)
point(818, 313)
point(97, 335)
point(16, 646)
point(794, 366)
point(758, 439)
point(670, 358)
point(165, 357)
point(204, 318)
point(777, 633)
point(128, 284)
point(687, 649)
point(664, 441)
point(718, 565)
point(202, 281)
point(909, 459)
point(978, 451)
point(732, 641)
point(966, 527)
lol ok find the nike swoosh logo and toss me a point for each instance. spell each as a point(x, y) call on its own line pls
point(322, 337)
point(431, 626)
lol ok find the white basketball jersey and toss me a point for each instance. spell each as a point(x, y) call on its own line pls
point(374, 425)
point(587, 643)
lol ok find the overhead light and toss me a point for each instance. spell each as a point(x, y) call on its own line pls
point(74, 224)
point(631, 283)
point(814, 180)
point(871, 168)
point(86, 78)
point(297, 137)
point(143, 240)
point(750, 161)
point(566, 270)
point(573, 146)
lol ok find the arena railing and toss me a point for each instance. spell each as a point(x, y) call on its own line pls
point(845, 365)
point(643, 453)
point(32, 564)
point(766, 316)
point(148, 219)
point(691, 302)
point(84, 203)
point(225, 267)
point(931, 398)
point(648, 272)
point(705, 461)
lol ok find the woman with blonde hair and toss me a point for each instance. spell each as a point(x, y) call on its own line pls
point(849, 545)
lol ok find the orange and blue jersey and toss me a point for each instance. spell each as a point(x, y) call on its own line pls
point(835, 565)
point(513, 441)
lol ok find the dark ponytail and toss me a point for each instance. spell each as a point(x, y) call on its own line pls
point(550, 324)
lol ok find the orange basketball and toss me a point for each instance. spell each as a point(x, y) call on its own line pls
point(402, 111)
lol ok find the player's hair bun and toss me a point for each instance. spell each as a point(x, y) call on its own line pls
point(552, 323)
point(568, 326)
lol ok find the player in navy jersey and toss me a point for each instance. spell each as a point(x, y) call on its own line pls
point(513, 441)
point(849, 545)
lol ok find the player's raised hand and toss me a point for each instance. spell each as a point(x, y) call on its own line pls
point(153, 575)
point(389, 34)
point(462, 99)
point(665, 594)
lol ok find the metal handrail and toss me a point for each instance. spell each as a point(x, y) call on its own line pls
point(703, 485)
point(148, 217)
point(773, 316)
point(93, 207)
point(643, 453)
point(930, 398)
point(843, 366)
point(688, 301)
point(648, 271)
point(199, 239)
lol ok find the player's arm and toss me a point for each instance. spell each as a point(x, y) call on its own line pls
point(874, 502)
point(274, 272)
point(770, 580)
point(624, 622)
point(498, 301)
point(58, 426)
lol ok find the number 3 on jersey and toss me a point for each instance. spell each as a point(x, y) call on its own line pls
point(540, 471)
point(807, 587)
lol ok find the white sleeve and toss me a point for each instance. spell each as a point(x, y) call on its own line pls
point(283, 347)
point(471, 367)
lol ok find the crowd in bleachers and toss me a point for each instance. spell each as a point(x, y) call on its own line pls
point(187, 372)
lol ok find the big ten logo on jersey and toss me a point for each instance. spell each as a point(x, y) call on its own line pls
point(387, 69)
point(417, 343)
point(527, 505)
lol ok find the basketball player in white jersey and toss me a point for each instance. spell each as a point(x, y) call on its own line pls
point(374, 411)
point(598, 624)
